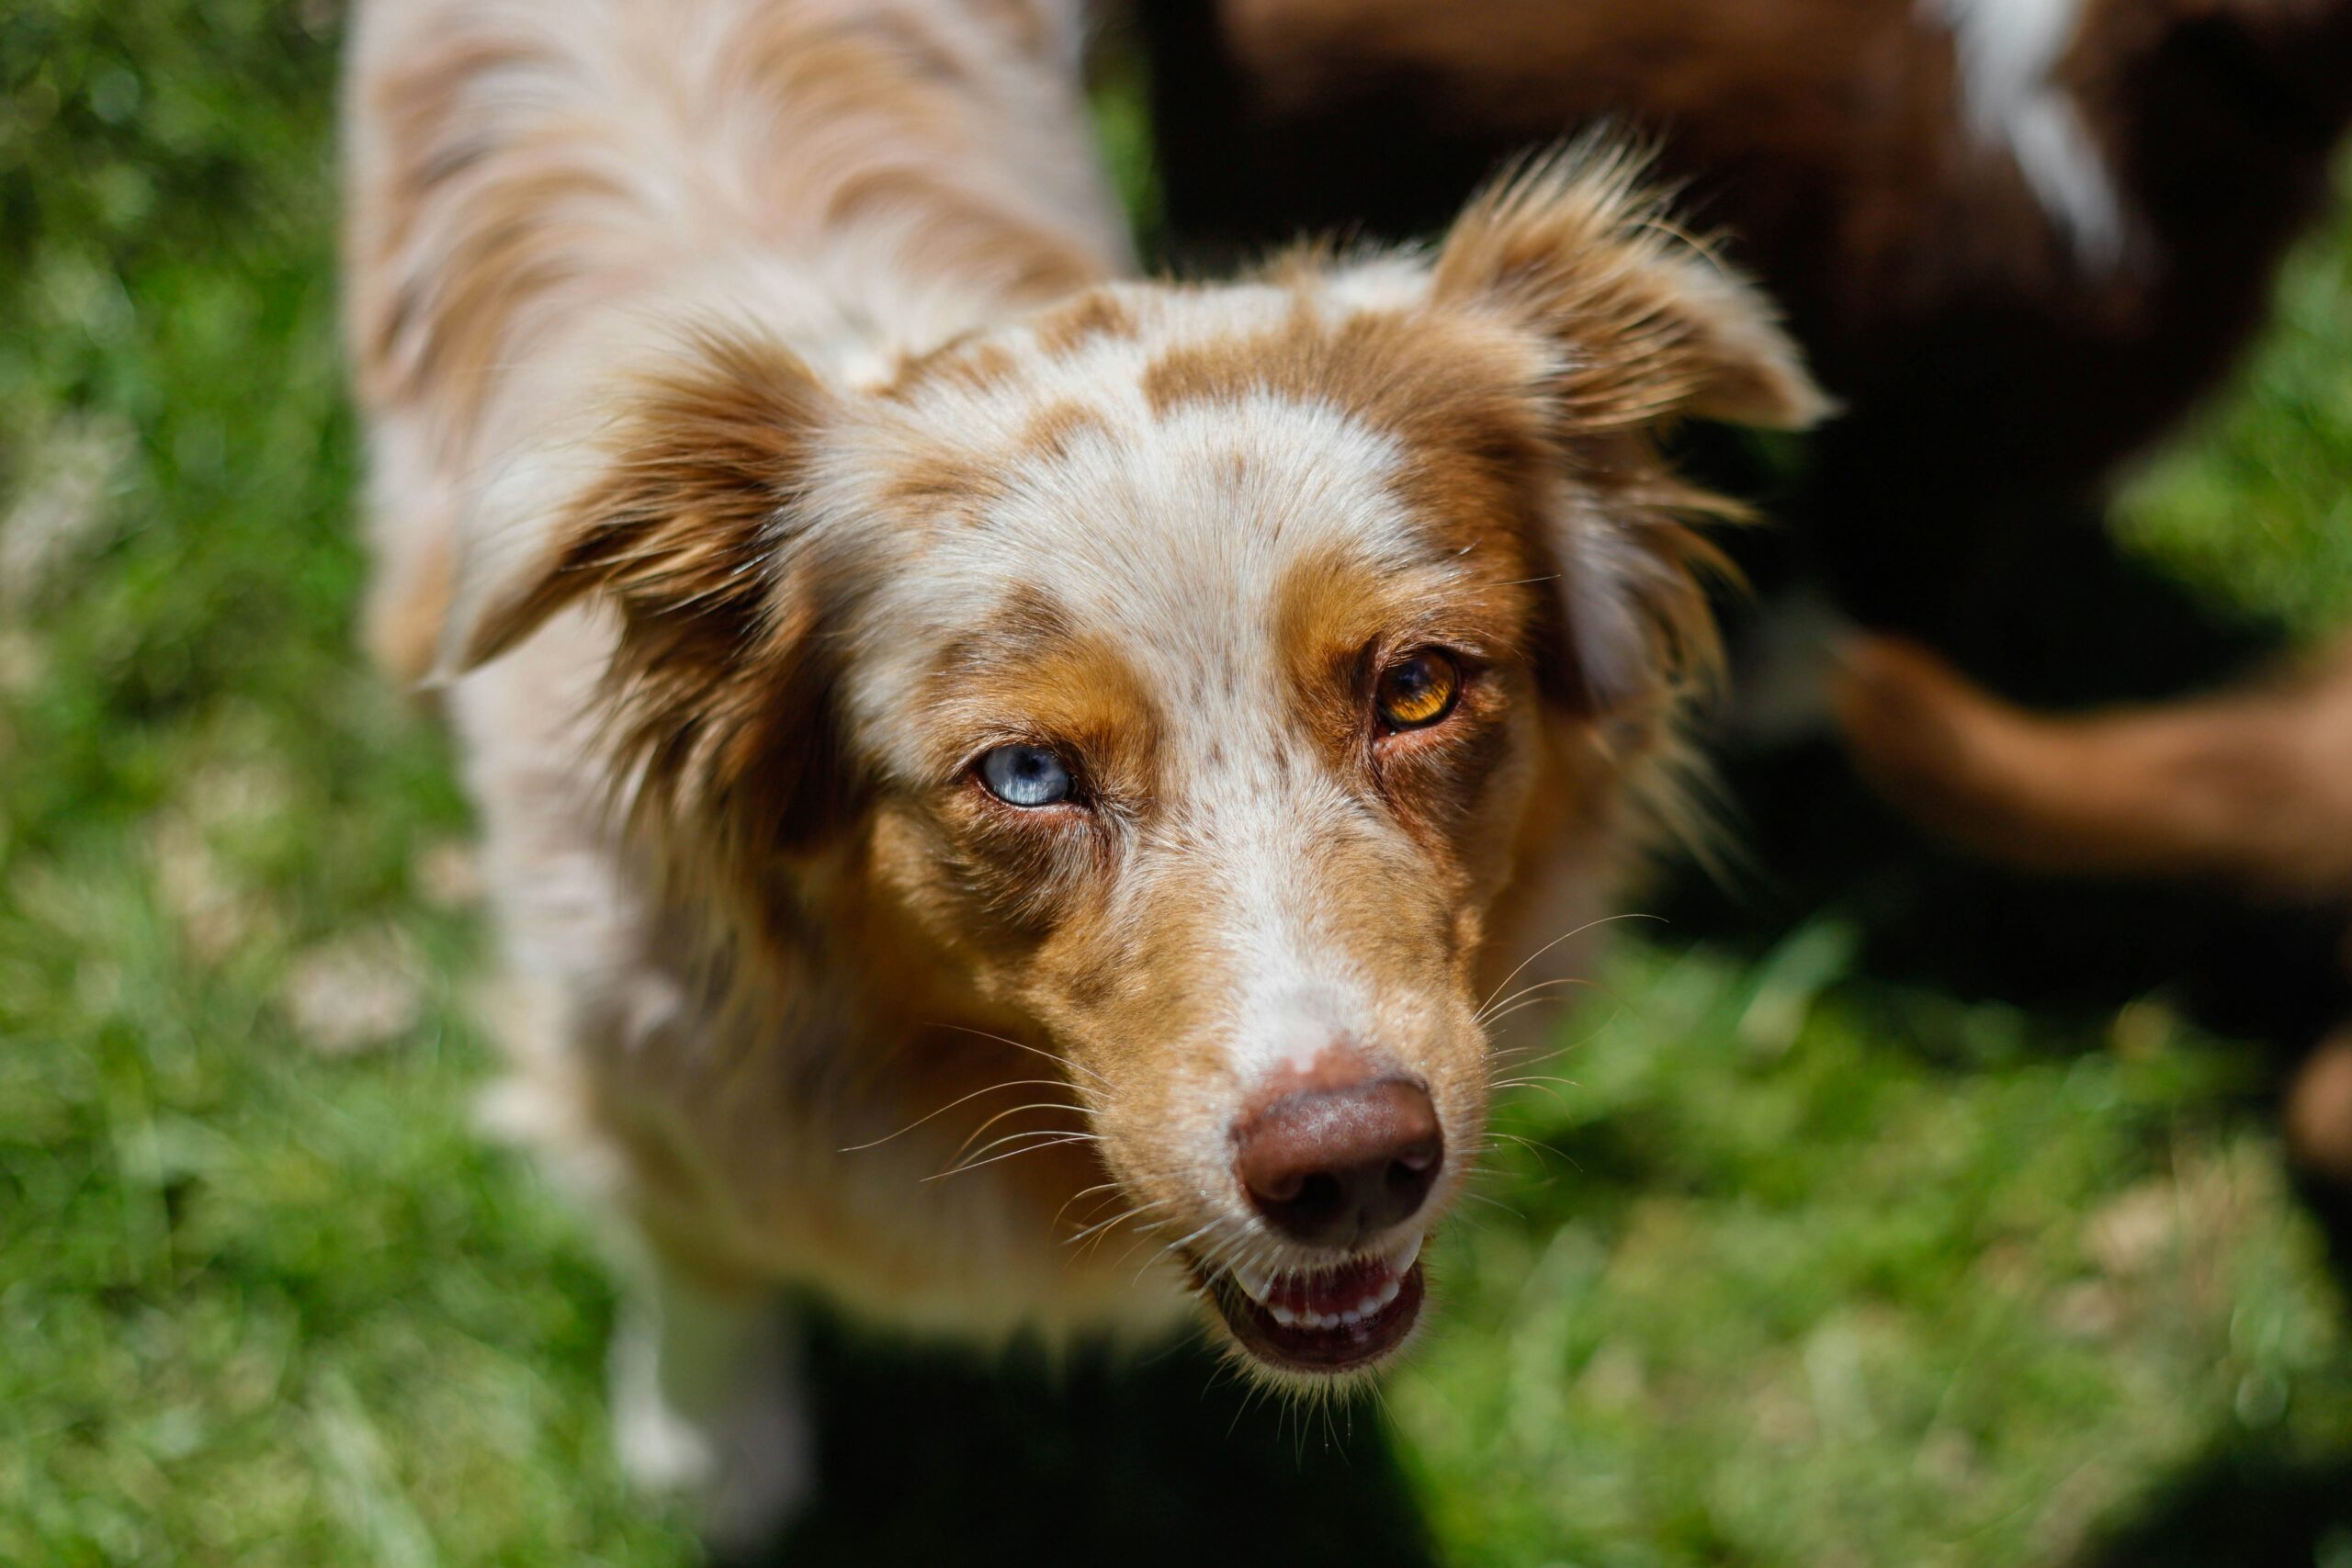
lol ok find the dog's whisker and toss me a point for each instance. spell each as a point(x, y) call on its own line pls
point(1098, 1232)
point(1015, 1110)
point(1102, 1193)
point(1051, 1141)
point(1083, 1192)
point(1032, 1050)
point(1541, 1151)
point(1018, 1134)
point(1101, 1225)
point(1010, 1083)
point(1176, 1248)
point(1523, 1006)
point(1489, 1009)
point(1492, 1203)
point(1564, 936)
point(1526, 1079)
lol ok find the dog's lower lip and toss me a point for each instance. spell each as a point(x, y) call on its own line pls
point(1329, 1344)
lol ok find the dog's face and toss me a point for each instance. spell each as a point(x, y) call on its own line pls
point(1192, 669)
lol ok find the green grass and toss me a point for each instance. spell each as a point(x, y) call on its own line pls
point(1804, 1268)
point(2255, 504)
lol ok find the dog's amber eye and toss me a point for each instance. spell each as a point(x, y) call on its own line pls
point(1025, 776)
point(1418, 689)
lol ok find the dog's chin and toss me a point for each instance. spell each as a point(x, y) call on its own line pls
point(1319, 1323)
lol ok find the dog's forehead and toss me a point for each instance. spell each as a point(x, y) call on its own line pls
point(1154, 464)
point(1195, 517)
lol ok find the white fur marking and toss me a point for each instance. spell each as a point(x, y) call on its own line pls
point(2007, 50)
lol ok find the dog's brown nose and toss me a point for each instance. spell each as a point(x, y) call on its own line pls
point(1332, 1165)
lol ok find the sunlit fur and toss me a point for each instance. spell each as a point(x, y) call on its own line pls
point(764, 430)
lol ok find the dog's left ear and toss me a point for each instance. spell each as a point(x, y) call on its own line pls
point(1647, 324)
point(1636, 326)
point(681, 512)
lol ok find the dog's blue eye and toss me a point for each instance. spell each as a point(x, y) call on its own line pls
point(1026, 775)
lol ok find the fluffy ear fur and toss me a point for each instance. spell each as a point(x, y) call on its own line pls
point(1648, 324)
point(685, 520)
point(1641, 326)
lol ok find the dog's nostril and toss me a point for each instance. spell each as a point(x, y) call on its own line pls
point(1320, 1195)
point(1332, 1166)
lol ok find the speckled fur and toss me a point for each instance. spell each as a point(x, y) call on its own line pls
point(765, 430)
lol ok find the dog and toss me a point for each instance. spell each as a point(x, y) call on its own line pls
point(987, 765)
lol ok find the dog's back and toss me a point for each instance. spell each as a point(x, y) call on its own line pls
point(864, 171)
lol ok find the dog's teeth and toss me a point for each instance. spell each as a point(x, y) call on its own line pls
point(1352, 1319)
point(1283, 1316)
point(1402, 1260)
point(1371, 1305)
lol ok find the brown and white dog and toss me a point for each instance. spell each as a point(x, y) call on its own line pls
point(978, 754)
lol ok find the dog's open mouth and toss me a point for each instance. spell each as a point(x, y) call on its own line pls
point(1333, 1320)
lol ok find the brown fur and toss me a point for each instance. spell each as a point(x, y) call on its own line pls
point(1832, 138)
point(721, 712)
point(779, 498)
point(1065, 330)
point(2253, 787)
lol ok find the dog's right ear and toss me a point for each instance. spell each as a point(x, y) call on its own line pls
point(684, 517)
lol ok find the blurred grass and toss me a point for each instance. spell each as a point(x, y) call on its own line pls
point(1801, 1268)
point(2254, 503)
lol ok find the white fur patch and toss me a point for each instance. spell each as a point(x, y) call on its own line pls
point(2008, 51)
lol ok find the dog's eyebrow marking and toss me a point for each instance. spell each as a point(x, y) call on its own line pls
point(1032, 617)
point(1029, 623)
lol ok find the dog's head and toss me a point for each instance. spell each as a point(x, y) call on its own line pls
point(1190, 670)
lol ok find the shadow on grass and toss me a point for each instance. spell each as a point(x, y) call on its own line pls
point(927, 1456)
point(2241, 1508)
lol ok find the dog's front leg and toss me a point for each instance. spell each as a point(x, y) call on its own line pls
point(708, 1404)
